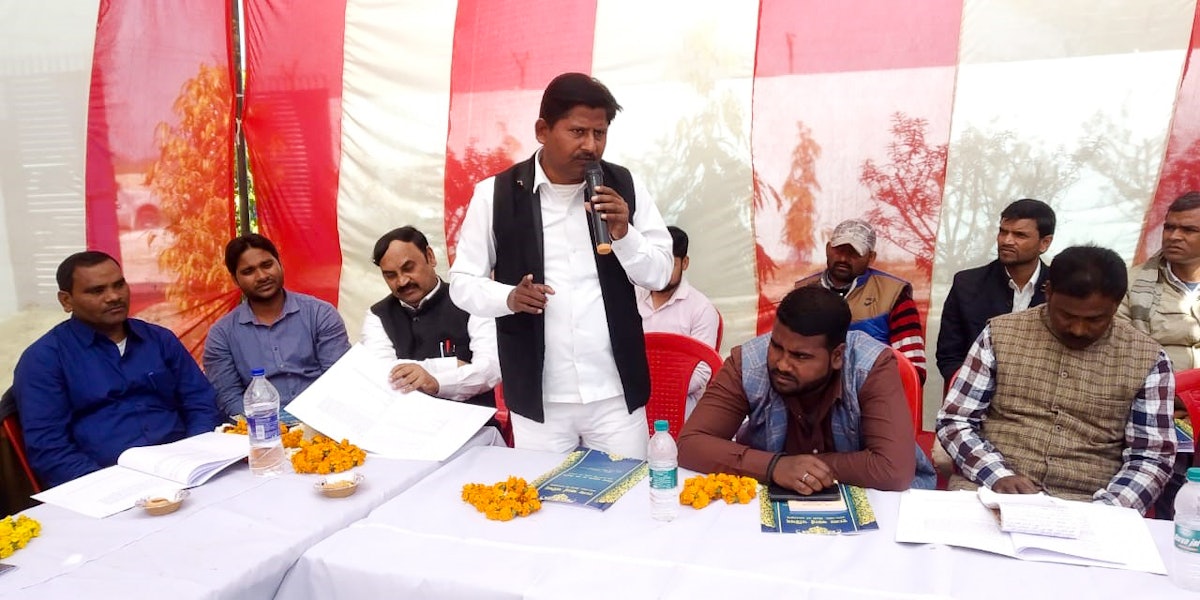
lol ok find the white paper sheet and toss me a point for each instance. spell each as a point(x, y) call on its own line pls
point(148, 470)
point(1112, 537)
point(354, 401)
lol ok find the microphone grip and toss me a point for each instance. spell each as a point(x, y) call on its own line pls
point(598, 227)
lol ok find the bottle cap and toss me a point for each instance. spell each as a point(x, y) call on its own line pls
point(257, 372)
point(662, 425)
point(1193, 474)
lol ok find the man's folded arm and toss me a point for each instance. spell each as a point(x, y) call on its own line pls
point(965, 408)
point(1149, 454)
point(706, 442)
point(887, 460)
point(45, 413)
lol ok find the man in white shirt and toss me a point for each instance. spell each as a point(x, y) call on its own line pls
point(682, 309)
point(1011, 283)
point(571, 346)
point(439, 349)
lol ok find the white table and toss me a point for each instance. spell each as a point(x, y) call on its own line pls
point(428, 543)
point(235, 536)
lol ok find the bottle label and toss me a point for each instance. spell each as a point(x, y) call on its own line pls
point(1187, 539)
point(264, 428)
point(663, 479)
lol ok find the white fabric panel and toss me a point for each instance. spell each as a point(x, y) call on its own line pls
point(395, 102)
point(1075, 114)
point(45, 74)
point(683, 71)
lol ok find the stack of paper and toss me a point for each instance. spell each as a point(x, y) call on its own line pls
point(1109, 536)
point(148, 470)
point(1035, 514)
point(354, 401)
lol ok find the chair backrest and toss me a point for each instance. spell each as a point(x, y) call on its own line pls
point(720, 331)
point(672, 359)
point(12, 430)
point(502, 416)
point(912, 388)
point(1187, 387)
point(1187, 381)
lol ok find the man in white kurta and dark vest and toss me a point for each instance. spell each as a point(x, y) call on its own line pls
point(438, 348)
point(572, 351)
point(1064, 399)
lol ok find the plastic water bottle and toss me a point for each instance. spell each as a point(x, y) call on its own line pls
point(261, 404)
point(664, 473)
point(1185, 570)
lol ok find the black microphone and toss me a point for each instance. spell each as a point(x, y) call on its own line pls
point(601, 240)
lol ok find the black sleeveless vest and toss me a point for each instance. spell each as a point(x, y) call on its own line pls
point(517, 227)
point(419, 335)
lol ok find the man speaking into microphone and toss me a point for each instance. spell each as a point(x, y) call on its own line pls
point(572, 352)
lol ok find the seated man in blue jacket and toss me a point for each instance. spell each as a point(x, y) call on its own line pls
point(1011, 283)
point(100, 383)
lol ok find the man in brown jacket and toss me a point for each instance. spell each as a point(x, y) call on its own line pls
point(1164, 292)
point(811, 404)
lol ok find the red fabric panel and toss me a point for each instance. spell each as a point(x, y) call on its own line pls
point(160, 157)
point(1180, 171)
point(293, 132)
point(505, 47)
point(879, 157)
point(817, 36)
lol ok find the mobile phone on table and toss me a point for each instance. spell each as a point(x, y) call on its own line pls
point(778, 493)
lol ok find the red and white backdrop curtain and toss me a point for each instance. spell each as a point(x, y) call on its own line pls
point(758, 126)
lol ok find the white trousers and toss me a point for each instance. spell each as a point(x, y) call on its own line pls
point(606, 425)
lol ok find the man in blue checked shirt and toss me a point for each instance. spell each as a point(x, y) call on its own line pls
point(294, 337)
point(1062, 399)
point(100, 383)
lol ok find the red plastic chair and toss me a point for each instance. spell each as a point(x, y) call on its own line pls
point(912, 391)
point(720, 332)
point(912, 387)
point(502, 416)
point(1187, 387)
point(672, 359)
point(12, 430)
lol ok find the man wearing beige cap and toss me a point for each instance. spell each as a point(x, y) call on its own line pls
point(881, 304)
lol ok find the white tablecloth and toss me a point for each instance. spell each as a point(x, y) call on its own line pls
point(428, 543)
point(235, 536)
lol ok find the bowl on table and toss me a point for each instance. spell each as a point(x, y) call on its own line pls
point(162, 503)
point(339, 485)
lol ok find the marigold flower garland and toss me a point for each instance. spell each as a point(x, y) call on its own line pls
point(698, 491)
point(324, 456)
point(504, 500)
point(16, 533)
point(291, 435)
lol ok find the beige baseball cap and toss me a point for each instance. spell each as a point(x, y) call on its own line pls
point(855, 232)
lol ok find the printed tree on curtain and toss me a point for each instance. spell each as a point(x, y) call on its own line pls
point(908, 190)
point(799, 194)
point(462, 173)
point(194, 183)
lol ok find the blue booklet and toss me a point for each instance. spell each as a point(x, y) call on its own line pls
point(590, 478)
point(1186, 439)
point(850, 512)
